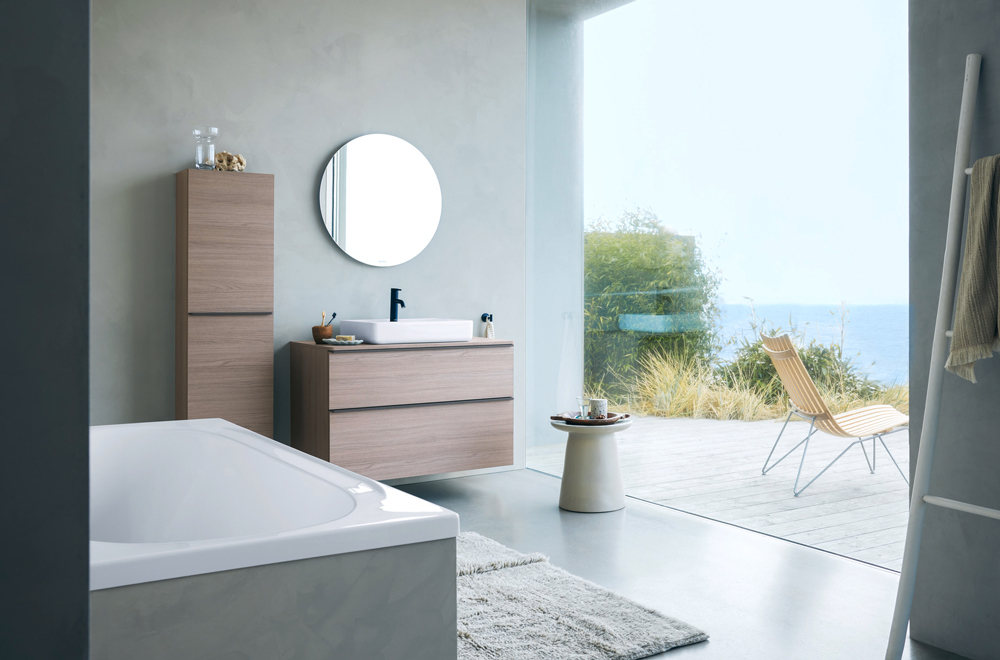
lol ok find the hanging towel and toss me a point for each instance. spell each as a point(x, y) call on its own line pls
point(975, 336)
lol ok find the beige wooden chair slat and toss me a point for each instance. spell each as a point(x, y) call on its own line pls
point(869, 422)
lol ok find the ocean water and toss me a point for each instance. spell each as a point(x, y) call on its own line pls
point(876, 337)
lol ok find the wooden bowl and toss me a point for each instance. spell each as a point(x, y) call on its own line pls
point(321, 332)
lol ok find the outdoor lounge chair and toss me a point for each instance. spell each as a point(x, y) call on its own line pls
point(862, 423)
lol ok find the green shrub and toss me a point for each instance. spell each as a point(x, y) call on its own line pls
point(634, 266)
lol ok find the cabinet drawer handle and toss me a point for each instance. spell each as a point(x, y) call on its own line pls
point(230, 313)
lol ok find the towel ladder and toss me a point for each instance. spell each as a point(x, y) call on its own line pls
point(920, 496)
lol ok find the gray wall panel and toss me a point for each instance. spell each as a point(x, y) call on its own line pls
point(555, 220)
point(44, 114)
point(555, 209)
point(957, 602)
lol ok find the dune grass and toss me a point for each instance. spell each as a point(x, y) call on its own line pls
point(672, 386)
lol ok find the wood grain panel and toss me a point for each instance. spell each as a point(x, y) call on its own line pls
point(230, 370)
point(393, 378)
point(230, 241)
point(310, 412)
point(407, 442)
point(180, 298)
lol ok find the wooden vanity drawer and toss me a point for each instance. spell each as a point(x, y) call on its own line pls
point(372, 378)
point(406, 442)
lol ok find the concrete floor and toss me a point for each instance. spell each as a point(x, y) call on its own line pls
point(756, 596)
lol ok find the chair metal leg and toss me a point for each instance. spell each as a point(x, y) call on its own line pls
point(882, 440)
point(795, 487)
point(871, 463)
point(764, 469)
point(788, 453)
point(803, 459)
point(812, 432)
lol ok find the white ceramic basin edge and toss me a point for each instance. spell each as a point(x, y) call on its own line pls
point(408, 331)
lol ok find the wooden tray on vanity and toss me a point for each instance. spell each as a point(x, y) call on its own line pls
point(570, 418)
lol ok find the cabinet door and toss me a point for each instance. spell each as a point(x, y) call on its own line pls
point(230, 242)
point(230, 370)
point(390, 443)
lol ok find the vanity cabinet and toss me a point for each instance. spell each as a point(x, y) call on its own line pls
point(224, 353)
point(403, 410)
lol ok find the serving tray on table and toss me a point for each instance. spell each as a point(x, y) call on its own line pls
point(570, 418)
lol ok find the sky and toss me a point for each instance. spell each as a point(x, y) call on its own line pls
point(775, 131)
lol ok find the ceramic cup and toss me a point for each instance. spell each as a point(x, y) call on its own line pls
point(598, 408)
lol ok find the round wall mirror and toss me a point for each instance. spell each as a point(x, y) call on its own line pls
point(380, 200)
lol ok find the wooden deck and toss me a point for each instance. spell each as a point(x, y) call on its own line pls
point(712, 468)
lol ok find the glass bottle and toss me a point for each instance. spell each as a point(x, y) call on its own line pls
point(204, 154)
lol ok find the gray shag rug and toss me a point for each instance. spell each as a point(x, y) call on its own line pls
point(513, 606)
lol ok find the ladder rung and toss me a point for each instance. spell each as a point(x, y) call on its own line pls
point(968, 170)
point(962, 506)
point(949, 333)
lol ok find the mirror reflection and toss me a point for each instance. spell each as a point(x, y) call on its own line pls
point(380, 200)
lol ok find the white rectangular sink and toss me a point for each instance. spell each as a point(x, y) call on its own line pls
point(408, 331)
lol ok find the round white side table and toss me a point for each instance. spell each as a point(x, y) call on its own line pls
point(592, 474)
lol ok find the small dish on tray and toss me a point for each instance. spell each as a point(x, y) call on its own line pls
point(342, 342)
point(571, 418)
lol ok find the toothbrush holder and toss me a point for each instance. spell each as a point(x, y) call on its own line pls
point(321, 332)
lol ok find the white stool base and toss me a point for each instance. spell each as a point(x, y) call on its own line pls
point(592, 475)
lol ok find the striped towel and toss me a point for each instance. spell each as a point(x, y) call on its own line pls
point(976, 334)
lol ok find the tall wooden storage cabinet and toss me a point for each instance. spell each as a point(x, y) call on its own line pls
point(225, 298)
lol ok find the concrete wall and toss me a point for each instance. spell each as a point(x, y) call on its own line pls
point(44, 109)
point(287, 84)
point(555, 220)
point(555, 209)
point(957, 600)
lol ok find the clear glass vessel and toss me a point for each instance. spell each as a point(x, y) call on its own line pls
point(204, 153)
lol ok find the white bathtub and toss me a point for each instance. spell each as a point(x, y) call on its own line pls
point(174, 499)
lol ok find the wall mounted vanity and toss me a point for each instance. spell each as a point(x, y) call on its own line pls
point(388, 411)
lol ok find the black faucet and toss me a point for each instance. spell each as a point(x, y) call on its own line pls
point(394, 304)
